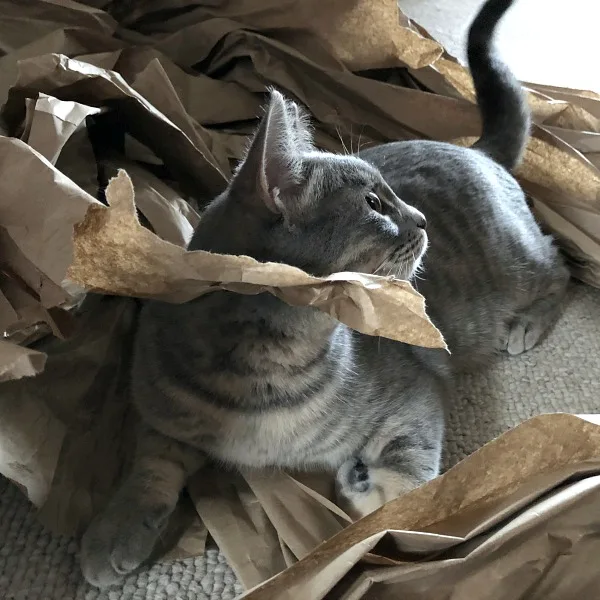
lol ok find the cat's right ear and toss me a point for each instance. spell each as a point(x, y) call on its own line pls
point(273, 164)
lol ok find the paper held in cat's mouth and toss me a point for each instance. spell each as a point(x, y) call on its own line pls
point(115, 254)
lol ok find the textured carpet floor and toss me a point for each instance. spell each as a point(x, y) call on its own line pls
point(560, 375)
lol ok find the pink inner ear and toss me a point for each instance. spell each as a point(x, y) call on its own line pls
point(278, 154)
point(267, 192)
point(274, 162)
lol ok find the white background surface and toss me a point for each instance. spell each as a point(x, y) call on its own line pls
point(544, 41)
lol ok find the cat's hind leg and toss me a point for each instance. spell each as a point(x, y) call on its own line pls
point(382, 472)
point(123, 536)
point(531, 325)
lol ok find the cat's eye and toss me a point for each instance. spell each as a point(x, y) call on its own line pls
point(374, 202)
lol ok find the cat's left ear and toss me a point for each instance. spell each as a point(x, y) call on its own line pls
point(273, 165)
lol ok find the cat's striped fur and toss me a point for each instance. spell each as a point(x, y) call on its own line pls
point(252, 382)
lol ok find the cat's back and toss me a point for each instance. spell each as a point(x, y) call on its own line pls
point(484, 244)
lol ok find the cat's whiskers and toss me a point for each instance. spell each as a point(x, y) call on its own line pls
point(359, 136)
point(342, 141)
point(387, 263)
point(378, 270)
point(416, 266)
point(351, 149)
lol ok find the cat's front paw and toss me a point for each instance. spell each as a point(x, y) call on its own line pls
point(362, 489)
point(118, 541)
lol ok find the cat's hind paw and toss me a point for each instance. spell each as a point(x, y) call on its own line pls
point(523, 334)
point(362, 489)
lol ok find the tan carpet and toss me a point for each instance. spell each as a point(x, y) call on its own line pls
point(35, 565)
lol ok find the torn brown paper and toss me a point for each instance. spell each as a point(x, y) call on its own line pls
point(153, 83)
point(523, 489)
point(507, 565)
point(167, 213)
point(71, 449)
point(384, 41)
point(38, 27)
point(135, 262)
point(46, 117)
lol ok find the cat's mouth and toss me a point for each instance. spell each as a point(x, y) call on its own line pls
point(404, 261)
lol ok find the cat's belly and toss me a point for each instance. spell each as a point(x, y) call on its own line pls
point(286, 438)
point(276, 440)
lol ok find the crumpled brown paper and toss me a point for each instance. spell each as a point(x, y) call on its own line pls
point(516, 519)
point(135, 262)
point(47, 123)
point(169, 91)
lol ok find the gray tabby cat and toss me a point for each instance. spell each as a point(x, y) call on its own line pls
point(252, 382)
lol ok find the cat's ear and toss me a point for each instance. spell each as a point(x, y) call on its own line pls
point(273, 164)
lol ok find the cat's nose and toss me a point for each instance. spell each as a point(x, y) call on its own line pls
point(410, 222)
point(420, 221)
point(416, 218)
point(411, 218)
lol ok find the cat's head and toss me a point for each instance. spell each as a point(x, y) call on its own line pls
point(322, 212)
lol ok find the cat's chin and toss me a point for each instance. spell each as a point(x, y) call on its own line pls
point(406, 262)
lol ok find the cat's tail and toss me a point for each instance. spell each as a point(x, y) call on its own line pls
point(502, 104)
